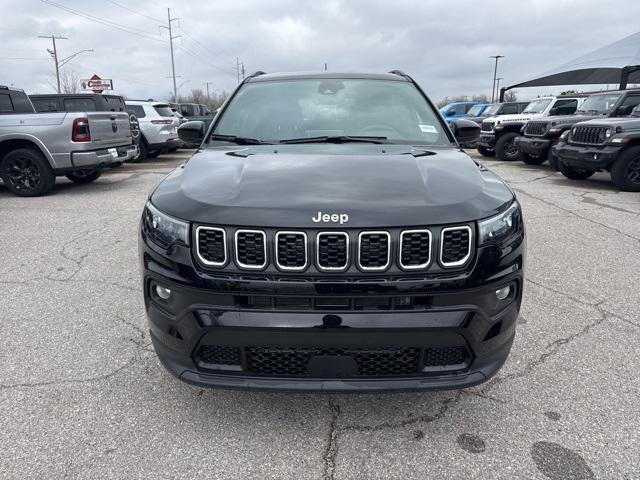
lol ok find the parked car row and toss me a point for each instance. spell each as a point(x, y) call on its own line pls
point(578, 135)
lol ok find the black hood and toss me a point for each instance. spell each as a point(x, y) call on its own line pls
point(569, 119)
point(621, 124)
point(287, 185)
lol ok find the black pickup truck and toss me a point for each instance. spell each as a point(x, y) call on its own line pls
point(606, 144)
point(541, 134)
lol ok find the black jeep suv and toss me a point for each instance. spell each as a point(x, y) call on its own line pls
point(330, 234)
point(611, 144)
point(541, 135)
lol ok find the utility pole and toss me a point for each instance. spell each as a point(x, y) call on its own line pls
point(325, 66)
point(208, 97)
point(495, 74)
point(238, 68)
point(171, 39)
point(242, 68)
point(498, 86)
point(54, 54)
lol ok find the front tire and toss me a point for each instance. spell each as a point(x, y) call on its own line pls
point(531, 160)
point(142, 152)
point(27, 173)
point(84, 176)
point(506, 148)
point(574, 173)
point(486, 152)
point(625, 173)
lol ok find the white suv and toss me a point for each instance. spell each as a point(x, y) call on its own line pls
point(158, 128)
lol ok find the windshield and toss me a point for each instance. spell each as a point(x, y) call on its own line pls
point(491, 110)
point(475, 110)
point(537, 106)
point(599, 103)
point(273, 111)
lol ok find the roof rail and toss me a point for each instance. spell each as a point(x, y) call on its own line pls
point(400, 73)
point(254, 75)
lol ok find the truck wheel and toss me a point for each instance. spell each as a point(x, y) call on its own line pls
point(83, 176)
point(625, 172)
point(574, 173)
point(553, 161)
point(486, 152)
point(531, 160)
point(27, 173)
point(506, 148)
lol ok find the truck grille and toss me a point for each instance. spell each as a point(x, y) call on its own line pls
point(588, 135)
point(291, 250)
point(455, 246)
point(415, 249)
point(358, 362)
point(535, 129)
point(251, 248)
point(486, 126)
point(394, 250)
point(333, 251)
point(374, 250)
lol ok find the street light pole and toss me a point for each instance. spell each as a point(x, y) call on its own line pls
point(495, 74)
point(498, 86)
point(54, 54)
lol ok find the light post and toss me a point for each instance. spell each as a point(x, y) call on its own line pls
point(495, 74)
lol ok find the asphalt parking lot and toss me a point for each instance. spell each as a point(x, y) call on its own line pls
point(82, 394)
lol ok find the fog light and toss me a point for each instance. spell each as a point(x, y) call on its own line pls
point(503, 292)
point(163, 292)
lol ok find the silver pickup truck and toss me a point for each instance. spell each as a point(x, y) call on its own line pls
point(37, 147)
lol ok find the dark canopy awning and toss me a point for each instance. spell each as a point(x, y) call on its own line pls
point(617, 63)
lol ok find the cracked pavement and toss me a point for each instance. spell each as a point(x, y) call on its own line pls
point(82, 394)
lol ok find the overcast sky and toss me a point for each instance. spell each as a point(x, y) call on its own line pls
point(444, 45)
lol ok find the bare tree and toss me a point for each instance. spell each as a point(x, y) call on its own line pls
point(69, 82)
point(197, 96)
point(510, 96)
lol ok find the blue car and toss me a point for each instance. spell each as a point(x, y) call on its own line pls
point(458, 109)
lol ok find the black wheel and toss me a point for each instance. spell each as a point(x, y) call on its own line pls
point(27, 173)
point(142, 152)
point(153, 153)
point(83, 176)
point(574, 173)
point(506, 148)
point(486, 152)
point(625, 172)
point(531, 160)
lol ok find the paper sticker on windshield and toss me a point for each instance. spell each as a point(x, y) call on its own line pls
point(427, 128)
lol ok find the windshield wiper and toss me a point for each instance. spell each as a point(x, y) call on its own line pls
point(336, 139)
point(238, 140)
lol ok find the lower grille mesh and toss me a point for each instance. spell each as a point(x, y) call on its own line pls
point(220, 355)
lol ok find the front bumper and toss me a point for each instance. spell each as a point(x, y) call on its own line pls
point(587, 157)
point(321, 335)
point(487, 140)
point(535, 146)
point(104, 157)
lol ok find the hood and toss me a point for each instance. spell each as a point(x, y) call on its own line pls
point(287, 185)
point(569, 119)
point(621, 124)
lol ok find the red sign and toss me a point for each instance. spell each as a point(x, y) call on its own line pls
point(97, 84)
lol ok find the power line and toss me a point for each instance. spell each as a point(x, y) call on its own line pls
point(203, 46)
point(134, 11)
point(200, 59)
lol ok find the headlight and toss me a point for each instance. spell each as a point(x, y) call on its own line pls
point(502, 226)
point(564, 135)
point(163, 229)
point(608, 132)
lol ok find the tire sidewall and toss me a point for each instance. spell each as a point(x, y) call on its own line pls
point(620, 168)
point(500, 144)
point(47, 177)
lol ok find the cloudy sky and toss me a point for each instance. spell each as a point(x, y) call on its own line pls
point(444, 45)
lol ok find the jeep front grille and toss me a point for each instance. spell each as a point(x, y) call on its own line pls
point(391, 250)
point(455, 246)
point(415, 249)
point(291, 250)
point(374, 250)
point(486, 126)
point(535, 129)
point(588, 135)
point(332, 250)
point(251, 249)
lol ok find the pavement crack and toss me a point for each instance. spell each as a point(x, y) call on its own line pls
point(331, 450)
point(586, 198)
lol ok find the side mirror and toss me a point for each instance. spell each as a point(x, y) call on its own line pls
point(465, 131)
point(191, 132)
point(624, 110)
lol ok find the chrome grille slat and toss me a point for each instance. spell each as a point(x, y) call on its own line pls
point(455, 246)
point(415, 249)
point(251, 249)
point(332, 251)
point(374, 251)
point(588, 135)
point(211, 246)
